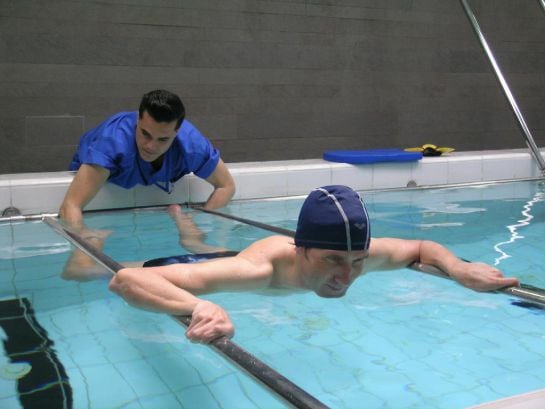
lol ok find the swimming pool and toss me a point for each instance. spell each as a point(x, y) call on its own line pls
point(399, 339)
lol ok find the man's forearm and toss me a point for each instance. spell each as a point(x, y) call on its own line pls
point(143, 289)
point(437, 255)
point(474, 275)
point(72, 215)
point(85, 185)
point(220, 197)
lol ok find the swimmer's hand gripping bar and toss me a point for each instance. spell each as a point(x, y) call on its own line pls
point(279, 384)
point(525, 291)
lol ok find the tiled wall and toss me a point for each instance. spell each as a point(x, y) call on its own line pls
point(33, 194)
point(269, 79)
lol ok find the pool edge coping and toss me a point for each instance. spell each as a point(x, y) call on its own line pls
point(33, 193)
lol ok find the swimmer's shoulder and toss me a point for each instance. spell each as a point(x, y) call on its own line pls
point(273, 243)
point(270, 248)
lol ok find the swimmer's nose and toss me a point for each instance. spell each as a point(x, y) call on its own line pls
point(344, 277)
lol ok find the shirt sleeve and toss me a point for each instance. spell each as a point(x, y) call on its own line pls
point(96, 157)
point(200, 155)
point(109, 144)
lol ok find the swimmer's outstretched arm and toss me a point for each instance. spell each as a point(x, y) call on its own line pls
point(174, 289)
point(389, 253)
point(152, 291)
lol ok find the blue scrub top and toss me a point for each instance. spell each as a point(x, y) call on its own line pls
point(112, 145)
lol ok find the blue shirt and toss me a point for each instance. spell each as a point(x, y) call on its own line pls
point(112, 145)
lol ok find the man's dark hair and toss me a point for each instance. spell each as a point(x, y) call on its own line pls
point(163, 106)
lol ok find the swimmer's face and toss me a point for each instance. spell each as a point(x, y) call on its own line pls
point(154, 138)
point(329, 273)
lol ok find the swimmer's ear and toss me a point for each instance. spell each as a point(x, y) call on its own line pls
point(300, 250)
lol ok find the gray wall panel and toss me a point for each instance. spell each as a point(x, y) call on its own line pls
point(269, 80)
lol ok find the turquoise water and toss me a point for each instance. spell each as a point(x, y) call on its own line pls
point(398, 339)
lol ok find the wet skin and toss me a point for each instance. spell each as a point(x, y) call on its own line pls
point(329, 273)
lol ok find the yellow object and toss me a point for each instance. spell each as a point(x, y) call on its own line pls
point(429, 149)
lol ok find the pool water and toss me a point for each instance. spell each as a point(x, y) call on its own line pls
point(399, 339)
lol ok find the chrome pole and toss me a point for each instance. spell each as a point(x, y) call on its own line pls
point(508, 94)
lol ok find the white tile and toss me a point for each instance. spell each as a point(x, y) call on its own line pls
point(301, 182)
point(154, 196)
point(111, 196)
point(358, 177)
point(430, 172)
point(23, 179)
point(39, 198)
point(465, 171)
point(393, 174)
point(497, 169)
point(199, 190)
point(522, 167)
point(4, 181)
point(262, 185)
point(5, 197)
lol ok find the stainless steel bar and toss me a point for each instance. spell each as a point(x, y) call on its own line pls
point(276, 382)
point(25, 218)
point(525, 292)
point(40, 216)
point(505, 87)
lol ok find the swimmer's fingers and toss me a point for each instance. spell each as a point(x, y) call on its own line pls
point(208, 322)
point(482, 277)
point(510, 282)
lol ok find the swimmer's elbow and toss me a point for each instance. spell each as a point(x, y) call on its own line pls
point(122, 284)
point(115, 285)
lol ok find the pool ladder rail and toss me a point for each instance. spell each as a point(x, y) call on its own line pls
point(505, 86)
point(277, 383)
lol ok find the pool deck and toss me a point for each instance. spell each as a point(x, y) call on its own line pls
point(36, 193)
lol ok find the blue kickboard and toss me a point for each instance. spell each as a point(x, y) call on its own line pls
point(372, 156)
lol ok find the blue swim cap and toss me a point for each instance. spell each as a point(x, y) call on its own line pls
point(333, 217)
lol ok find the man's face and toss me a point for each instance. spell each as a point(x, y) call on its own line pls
point(329, 273)
point(153, 138)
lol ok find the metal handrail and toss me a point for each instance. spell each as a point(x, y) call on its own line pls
point(505, 87)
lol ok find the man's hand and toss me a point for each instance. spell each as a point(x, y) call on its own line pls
point(208, 322)
point(85, 185)
point(224, 187)
point(81, 267)
point(482, 277)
